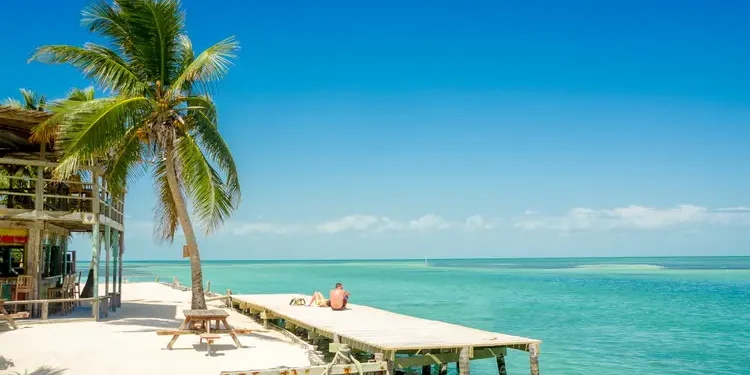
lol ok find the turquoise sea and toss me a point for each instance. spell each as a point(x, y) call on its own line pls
point(600, 316)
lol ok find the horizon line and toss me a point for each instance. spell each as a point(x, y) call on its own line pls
point(422, 259)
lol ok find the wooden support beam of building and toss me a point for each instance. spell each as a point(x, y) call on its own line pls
point(96, 241)
point(445, 358)
point(115, 255)
point(33, 163)
point(121, 249)
point(107, 254)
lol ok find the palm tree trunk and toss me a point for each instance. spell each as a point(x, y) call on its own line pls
point(198, 301)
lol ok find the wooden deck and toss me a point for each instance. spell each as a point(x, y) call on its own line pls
point(378, 331)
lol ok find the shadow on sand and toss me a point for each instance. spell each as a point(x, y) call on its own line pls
point(145, 314)
point(42, 370)
point(5, 363)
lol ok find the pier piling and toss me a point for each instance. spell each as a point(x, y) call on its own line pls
point(534, 358)
point(463, 361)
point(501, 365)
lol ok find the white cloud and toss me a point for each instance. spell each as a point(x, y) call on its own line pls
point(350, 223)
point(632, 217)
point(358, 223)
point(530, 212)
point(258, 227)
point(734, 209)
point(477, 222)
point(429, 222)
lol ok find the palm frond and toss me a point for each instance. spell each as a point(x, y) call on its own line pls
point(71, 165)
point(124, 163)
point(186, 57)
point(97, 126)
point(165, 212)
point(155, 26)
point(48, 130)
point(81, 95)
point(108, 21)
point(208, 67)
point(15, 103)
point(203, 185)
point(98, 63)
point(203, 121)
point(31, 101)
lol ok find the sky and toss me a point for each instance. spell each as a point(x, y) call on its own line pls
point(457, 129)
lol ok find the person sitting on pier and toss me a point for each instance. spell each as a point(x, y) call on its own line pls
point(338, 300)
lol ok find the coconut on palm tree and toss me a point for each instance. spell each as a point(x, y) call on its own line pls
point(159, 115)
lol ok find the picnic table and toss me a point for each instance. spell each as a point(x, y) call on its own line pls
point(5, 316)
point(204, 318)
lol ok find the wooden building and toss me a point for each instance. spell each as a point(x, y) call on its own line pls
point(38, 214)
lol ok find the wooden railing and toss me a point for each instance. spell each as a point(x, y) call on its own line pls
point(20, 187)
point(99, 305)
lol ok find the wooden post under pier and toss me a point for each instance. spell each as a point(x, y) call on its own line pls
point(534, 358)
point(443, 369)
point(501, 365)
point(463, 361)
point(427, 370)
point(379, 357)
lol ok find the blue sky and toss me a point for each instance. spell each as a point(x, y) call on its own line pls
point(459, 129)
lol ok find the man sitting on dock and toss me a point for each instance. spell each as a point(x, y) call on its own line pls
point(338, 300)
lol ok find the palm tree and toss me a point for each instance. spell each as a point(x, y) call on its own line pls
point(160, 115)
point(31, 100)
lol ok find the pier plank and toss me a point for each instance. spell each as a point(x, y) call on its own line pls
point(380, 329)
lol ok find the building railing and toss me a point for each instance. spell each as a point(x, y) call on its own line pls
point(20, 186)
point(100, 306)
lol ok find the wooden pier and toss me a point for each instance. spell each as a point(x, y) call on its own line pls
point(402, 341)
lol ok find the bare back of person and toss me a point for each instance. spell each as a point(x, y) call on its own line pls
point(338, 298)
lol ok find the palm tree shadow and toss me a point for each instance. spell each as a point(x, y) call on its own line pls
point(6, 363)
point(44, 370)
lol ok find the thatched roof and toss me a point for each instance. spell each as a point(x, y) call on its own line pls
point(15, 129)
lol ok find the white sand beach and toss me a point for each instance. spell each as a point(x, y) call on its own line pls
point(126, 342)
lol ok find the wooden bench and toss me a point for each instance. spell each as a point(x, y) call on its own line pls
point(209, 338)
point(7, 317)
point(173, 332)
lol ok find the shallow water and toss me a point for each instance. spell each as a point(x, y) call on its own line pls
point(594, 315)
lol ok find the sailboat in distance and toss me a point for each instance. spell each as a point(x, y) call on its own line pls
point(425, 262)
